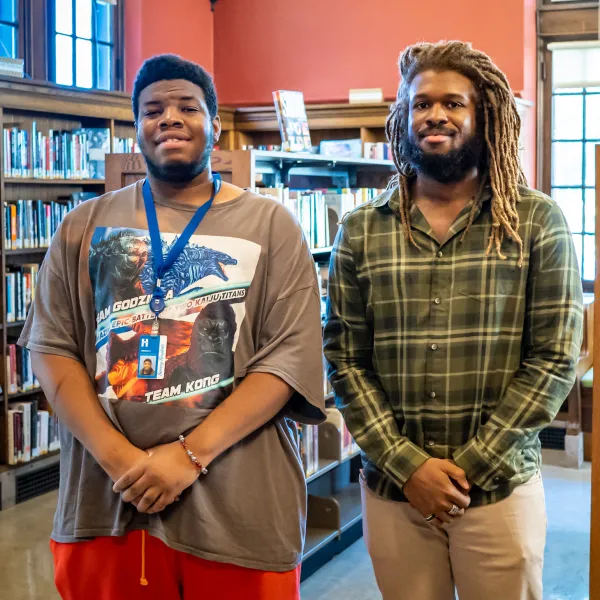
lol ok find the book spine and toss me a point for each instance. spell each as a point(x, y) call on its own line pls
point(19, 435)
point(35, 450)
point(12, 456)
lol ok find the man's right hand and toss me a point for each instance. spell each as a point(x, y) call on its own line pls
point(431, 491)
point(121, 460)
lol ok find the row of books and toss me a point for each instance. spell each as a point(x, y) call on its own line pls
point(345, 149)
point(77, 154)
point(377, 150)
point(32, 223)
point(308, 443)
point(32, 432)
point(20, 376)
point(355, 149)
point(319, 211)
point(20, 291)
point(125, 145)
point(308, 440)
point(323, 279)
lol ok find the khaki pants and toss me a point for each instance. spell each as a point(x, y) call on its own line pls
point(493, 552)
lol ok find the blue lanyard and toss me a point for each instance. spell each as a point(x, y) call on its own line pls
point(163, 264)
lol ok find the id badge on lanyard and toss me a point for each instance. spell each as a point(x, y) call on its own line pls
point(153, 348)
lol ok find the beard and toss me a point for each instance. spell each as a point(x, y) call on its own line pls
point(451, 167)
point(180, 172)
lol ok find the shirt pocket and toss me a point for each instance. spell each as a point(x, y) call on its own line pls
point(496, 287)
point(487, 292)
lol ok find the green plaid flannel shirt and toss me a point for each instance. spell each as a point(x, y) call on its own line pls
point(445, 351)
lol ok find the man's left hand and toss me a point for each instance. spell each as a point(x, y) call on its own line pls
point(157, 481)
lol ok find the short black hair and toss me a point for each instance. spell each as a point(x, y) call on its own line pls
point(165, 67)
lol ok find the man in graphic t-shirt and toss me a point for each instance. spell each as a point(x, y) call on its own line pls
point(181, 478)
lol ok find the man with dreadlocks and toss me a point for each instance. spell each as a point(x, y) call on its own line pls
point(454, 323)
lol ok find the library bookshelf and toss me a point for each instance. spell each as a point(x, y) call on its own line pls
point(334, 517)
point(28, 111)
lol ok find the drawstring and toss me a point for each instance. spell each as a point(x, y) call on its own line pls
point(143, 580)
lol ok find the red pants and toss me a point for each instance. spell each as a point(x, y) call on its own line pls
point(139, 566)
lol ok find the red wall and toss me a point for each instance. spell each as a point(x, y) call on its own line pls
point(326, 47)
point(151, 28)
point(530, 89)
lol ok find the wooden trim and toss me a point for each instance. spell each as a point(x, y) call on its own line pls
point(554, 6)
point(18, 94)
point(544, 133)
point(321, 116)
point(227, 115)
point(595, 522)
point(119, 47)
point(23, 95)
point(37, 40)
point(570, 22)
point(221, 161)
point(243, 169)
point(118, 165)
point(23, 36)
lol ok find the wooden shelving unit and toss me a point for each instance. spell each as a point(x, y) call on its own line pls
point(50, 107)
point(334, 503)
point(334, 508)
point(25, 394)
point(48, 181)
point(334, 515)
point(25, 251)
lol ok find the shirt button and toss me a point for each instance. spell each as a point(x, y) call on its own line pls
point(440, 254)
point(432, 394)
point(431, 443)
point(496, 479)
point(434, 346)
point(437, 301)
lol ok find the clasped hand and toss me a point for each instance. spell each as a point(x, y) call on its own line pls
point(432, 490)
point(157, 480)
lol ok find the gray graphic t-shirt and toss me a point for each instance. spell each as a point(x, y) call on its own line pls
point(241, 298)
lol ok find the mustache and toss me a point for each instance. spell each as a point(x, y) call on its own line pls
point(436, 131)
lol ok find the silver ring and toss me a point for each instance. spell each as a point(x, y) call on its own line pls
point(454, 510)
point(430, 518)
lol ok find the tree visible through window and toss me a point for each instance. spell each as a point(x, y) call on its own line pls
point(82, 44)
point(575, 134)
point(8, 28)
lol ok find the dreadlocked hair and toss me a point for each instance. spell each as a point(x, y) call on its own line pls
point(501, 126)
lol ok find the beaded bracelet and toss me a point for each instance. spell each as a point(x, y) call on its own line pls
point(191, 456)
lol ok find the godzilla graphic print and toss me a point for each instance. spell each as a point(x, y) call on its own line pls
point(205, 306)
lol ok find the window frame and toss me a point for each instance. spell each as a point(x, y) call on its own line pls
point(117, 73)
point(545, 131)
point(19, 27)
point(559, 28)
point(583, 187)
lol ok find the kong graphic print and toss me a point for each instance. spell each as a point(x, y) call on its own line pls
point(205, 298)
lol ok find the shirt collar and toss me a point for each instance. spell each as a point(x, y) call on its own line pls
point(390, 198)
